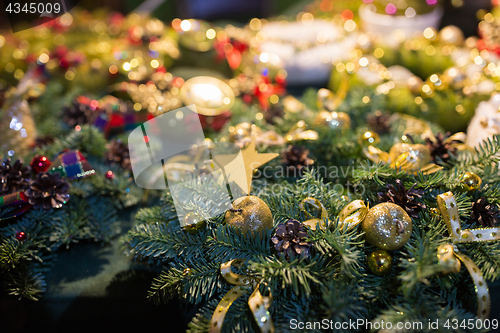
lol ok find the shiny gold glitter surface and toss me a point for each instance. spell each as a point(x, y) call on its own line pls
point(387, 226)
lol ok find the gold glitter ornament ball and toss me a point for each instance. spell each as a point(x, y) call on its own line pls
point(379, 262)
point(387, 226)
point(250, 214)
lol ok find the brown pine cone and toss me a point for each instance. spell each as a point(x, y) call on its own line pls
point(296, 158)
point(273, 112)
point(379, 122)
point(406, 199)
point(48, 191)
point(441, 151)
point(485, 214)
point(79, 112)
point(13, 177)
point(118, 154)
point(289, 240)
point(43, 141)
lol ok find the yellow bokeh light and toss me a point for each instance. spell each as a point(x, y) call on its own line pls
point(211, 33)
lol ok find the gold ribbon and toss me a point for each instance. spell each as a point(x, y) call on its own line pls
point(298, 132)
point(353, 214)
point(259, 304)
point(350, 216)
point(449, 210)
point(404, 161)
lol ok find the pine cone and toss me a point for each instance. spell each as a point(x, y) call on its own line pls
point(379, 122)
point(485, 214)
point(13, 178)
point(296, 158)
point(441, 151)
point(79, 112)
point(118, 154)
point(273, 112)
point(43, 141)
point(48, 191)
point(404, 198)
point(289, 240)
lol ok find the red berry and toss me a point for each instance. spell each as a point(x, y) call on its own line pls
point(40, 164)
point(21, 236)
point(110, 174)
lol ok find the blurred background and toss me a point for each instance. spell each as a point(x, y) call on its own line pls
point(243, 11)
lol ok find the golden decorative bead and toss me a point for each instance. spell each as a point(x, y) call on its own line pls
point(379, 262)
point(387, 226)
point(470, 182)
point(369, 138)
point(186, 271)
point(192, 223)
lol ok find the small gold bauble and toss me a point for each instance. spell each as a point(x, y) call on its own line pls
point(451, 35)
point(379, 262)
point(243, 131)
point(470, 182)
point(186, 271)
point(334, 120)
point(192, 223)
point(369, 138)
point(249, 214)
point(415, 156)
point(312, 208)
point(387, 226)
point(340, 120)
point(434, 212)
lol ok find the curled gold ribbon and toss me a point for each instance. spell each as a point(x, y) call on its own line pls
point(449, 210)
point(447, 204)
point(259, 304)
point(353, 214)
point(298, 132)
point(404, 161)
